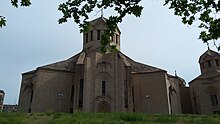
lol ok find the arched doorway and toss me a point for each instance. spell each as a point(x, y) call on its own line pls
point(104, 106)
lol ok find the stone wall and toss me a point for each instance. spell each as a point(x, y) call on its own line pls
point(201, 91)
point(186, 104)
point(150, 91)
point(51, 92)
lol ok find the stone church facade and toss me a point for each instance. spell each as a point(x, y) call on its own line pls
point(205, 89)
point(94, 82)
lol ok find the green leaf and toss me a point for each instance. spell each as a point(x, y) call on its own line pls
point(203, 12)
point(25, 2)
point(136, 10)
point(14, 3)
point(2, 21)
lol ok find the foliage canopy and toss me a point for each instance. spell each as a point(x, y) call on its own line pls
point(204, 13)
point(14, 3)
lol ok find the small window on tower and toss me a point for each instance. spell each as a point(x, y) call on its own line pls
point(98, 34)
point(91, 35)
point(217, 63)
point(86, 37)
point(209, 63)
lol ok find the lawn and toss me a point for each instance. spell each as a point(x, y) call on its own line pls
point(105, 118)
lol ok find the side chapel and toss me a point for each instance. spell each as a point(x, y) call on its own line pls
point(205, 89)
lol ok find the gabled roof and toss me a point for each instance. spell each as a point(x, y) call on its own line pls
point(181, 80)
point(97, 19)
point(141, 68)
point(70, 64)
point(93, 22)
point(66, 65)
point(208, 53)
point(209, 75)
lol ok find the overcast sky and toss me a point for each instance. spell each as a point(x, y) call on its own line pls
point(33, 38)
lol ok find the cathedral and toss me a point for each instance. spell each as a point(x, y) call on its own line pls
point(94, 82)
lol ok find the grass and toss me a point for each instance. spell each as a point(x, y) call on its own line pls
point(105, 118)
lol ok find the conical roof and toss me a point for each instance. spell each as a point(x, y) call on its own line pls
point(97, 20)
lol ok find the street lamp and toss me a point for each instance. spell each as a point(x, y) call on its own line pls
point(148, 103)
point(60, 95)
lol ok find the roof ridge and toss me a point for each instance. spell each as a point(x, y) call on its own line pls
point(140, 67)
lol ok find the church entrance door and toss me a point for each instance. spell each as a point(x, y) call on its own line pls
point(104, 106)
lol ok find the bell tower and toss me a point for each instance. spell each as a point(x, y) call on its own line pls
point(91, 39)
point(209, 61)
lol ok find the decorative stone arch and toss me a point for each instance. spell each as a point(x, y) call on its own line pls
point(103, 106)
point(104, 75)
point(99, 78)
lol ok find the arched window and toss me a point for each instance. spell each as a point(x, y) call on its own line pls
point(81, 93)
point(126, 93)
point(98, 34)
point(86, 38)
point(72, 93)
point(91, 36)
point(209, 63)
point(103, 88)
point(216, 62)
